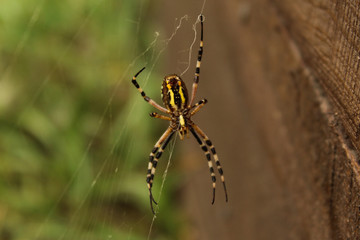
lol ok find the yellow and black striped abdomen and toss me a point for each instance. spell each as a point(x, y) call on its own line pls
point(174, 93)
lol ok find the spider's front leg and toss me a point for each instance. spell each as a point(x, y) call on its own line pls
point(208, 157)
point(195, 130)
point(153, 160)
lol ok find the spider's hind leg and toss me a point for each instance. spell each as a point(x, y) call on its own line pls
point(198, 63)
point(146, 98)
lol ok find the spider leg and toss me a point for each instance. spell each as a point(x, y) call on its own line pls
point(153, 160)
point(156, 115)
point(198, 106)
point(198, 63)
point(208, 157)
point(216, 158)
point(146, 98)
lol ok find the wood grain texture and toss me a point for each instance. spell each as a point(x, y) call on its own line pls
point(302, 59)
point(328, 36)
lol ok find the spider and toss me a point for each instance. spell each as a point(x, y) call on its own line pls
point(175, 98)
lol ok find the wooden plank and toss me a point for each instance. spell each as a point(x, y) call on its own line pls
point(285, 52)
point(328, 36)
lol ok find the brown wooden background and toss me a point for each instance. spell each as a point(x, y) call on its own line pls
point(282, 80)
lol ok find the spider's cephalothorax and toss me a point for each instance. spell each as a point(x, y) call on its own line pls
point(180, 110)
point(175, 98)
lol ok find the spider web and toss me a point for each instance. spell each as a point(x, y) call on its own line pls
point(92, 178)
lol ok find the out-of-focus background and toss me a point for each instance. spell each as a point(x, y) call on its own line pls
point(75, 135)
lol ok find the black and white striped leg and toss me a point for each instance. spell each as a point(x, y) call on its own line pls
point(208, 157)
point(198, 63)
point(146, 98)
point(153, 160)
point(198, 106)
point(216, 158)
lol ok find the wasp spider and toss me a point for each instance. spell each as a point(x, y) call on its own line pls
point(180, 110)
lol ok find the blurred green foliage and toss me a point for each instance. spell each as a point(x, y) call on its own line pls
point(74, 133)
